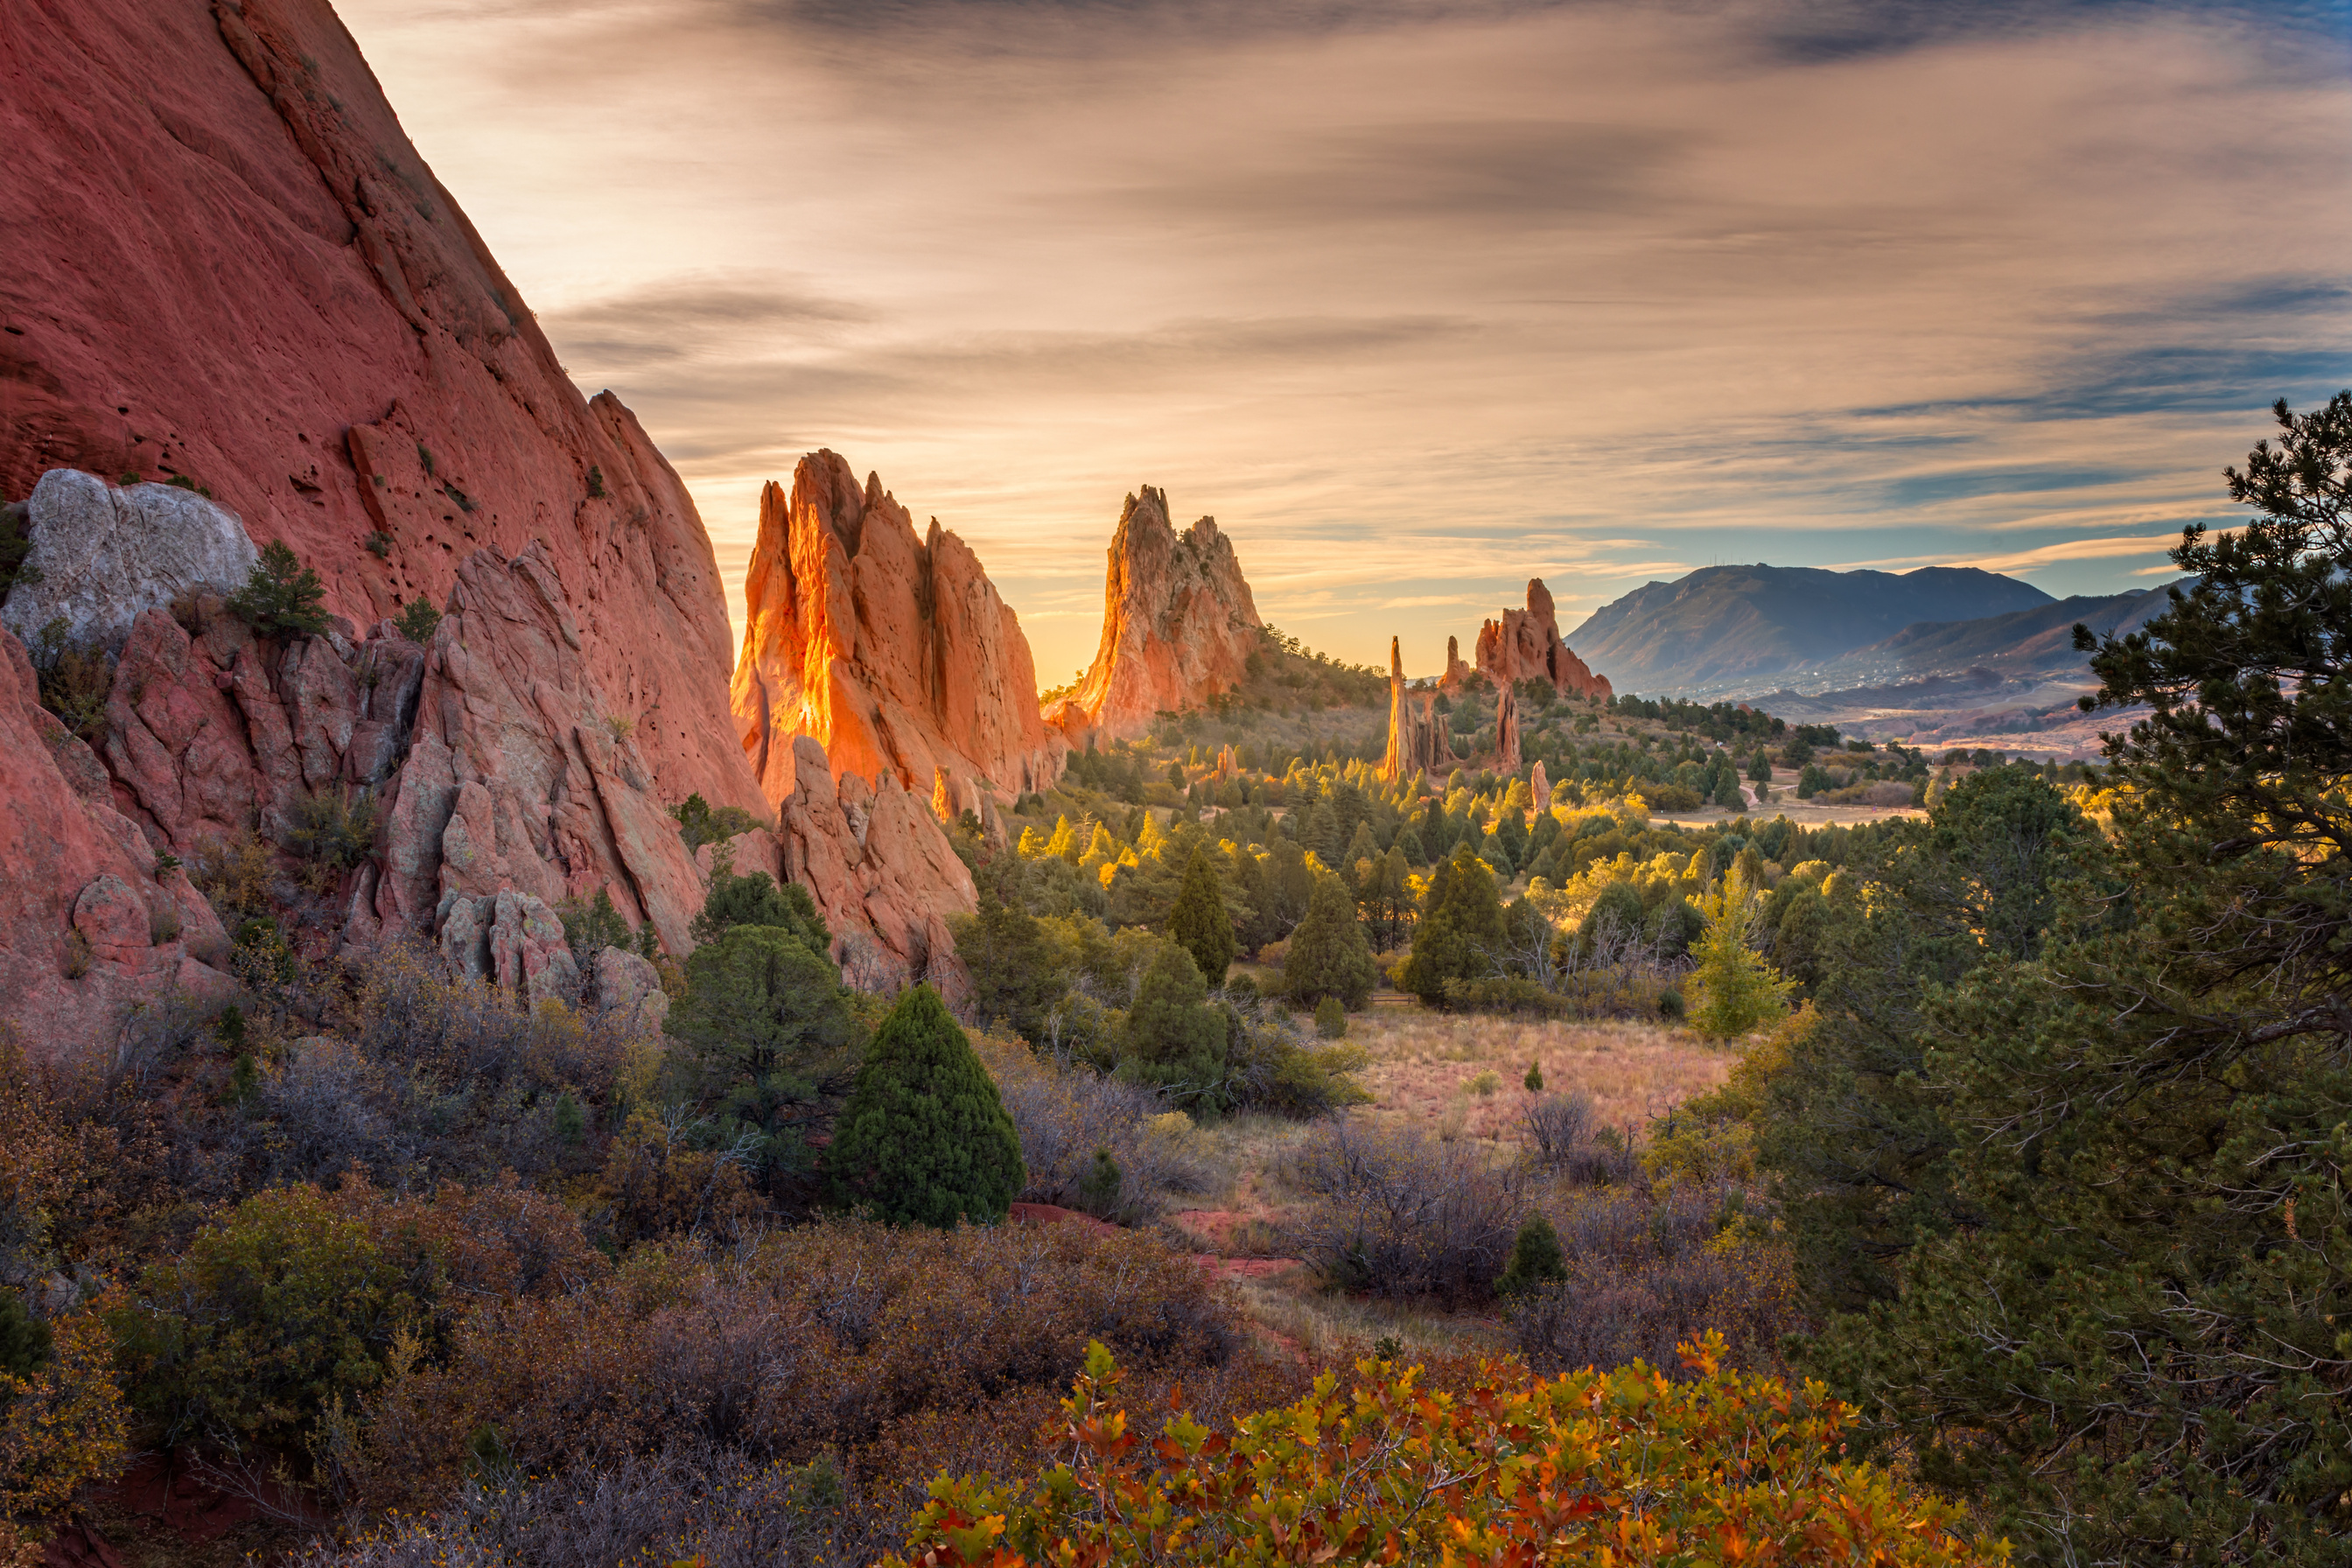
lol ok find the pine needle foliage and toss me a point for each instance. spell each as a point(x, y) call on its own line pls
point(1329, 958)
point(1738, 990)
point(925, 1139)
point(282, 597)
point(1199, 923)
point(2128, 1342)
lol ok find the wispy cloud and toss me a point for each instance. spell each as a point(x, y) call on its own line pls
point(1424, 298)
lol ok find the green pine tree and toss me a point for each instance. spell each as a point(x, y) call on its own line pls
point(1536, 1259)
point(1014, 976)
point(1330, 1019)
point(925, 1138)
point(1175, 1042)
point(755, 899)
point(282, 597)
point(1329, 957)
point(2119, 1328)
point(1199, 922)
point(1737, 990)
point(1461, 928)
point(757, 1000)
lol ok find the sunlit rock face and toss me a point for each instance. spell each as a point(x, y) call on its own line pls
point(231, 269)
point(1179, 624)
point(227, 264)
point(893, 652)
point(1525, 645)
point(1418, 744)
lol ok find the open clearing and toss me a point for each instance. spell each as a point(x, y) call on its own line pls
point(1457, 1076)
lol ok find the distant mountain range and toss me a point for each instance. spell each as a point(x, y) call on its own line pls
point(1743, 631)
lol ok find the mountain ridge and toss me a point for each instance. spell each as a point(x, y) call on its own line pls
point(1725, 625)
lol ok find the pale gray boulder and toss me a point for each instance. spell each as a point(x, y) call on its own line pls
point(103, 555)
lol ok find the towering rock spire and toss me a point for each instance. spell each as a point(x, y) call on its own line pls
point(895, 652)
point(1417, 742)
point(1179, 624)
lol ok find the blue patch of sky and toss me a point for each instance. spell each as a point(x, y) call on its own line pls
point(1825, 31)
point(1958, 484)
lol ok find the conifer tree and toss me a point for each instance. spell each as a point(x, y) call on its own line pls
point(1460, 927)
point(925, 1138)
point(758, 1000)
point(1536, 1259)
point(1329, 955)
point(1738, 989)
point(282, 597)
point(1199, 922)
point(2118, 1324)
point(1175, 1042)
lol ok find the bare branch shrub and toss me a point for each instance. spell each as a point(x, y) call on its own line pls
point(1064, 1112)
point(1562, 1139)
point(694, 1502)
point(844, 1337)
point(1651, 1267)
point(330, 1109)
point(1398, 1213)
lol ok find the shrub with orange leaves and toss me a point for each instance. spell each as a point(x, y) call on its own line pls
point(62, 1423)
point(1617, 1468)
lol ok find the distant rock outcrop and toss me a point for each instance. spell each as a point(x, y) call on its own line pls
point(895, 653)
point(1525, 645)
point(227, 264)
point(1179, 624)
point(1418, 744)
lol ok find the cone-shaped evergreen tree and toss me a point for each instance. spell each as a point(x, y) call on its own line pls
point(1329, 955)
point(925, 1139)
point(1536, 1259)
point(1199, 923)
point(1175, 1041)
point(1461, 922)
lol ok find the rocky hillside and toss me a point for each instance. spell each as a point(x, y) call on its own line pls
point(894, 652)
point(1179, 624)
point(239, 312)
point(1728, 626)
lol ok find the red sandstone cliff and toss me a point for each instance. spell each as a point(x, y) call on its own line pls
point(226, 261)
point(1179, 624)
point(894, 652)
point(1525, 645)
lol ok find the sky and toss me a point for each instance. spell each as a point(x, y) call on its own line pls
point(1423, 299)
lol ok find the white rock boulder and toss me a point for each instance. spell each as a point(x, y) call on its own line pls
point(104, 554)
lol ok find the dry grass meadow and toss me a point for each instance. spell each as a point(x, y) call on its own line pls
point(1457, 1075)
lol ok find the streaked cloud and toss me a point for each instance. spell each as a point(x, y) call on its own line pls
point(1423, 298)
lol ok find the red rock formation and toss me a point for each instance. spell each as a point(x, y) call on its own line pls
point(895, 653)
point(1457, 672)
point(1525, 646)
point(225, 261)
point(1418, 744)
point(880, 870)
point(1507, 758)
point(87, 925)
point(1179, 624)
